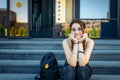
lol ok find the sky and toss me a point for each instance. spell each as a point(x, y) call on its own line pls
point(94, 8)
point(3, 4)
point(22, 12)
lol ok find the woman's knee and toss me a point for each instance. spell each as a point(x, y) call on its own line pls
point(83, 73)
point(69, 73)
point(68, 69)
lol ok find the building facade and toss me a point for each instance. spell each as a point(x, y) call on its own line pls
point(51, 18)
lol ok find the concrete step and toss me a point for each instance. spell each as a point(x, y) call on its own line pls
point(15, 76)
point(54, 45)
point(32, 39)
point(105, 77)
point(101, 55)
point(37, 45)
point(32, 66)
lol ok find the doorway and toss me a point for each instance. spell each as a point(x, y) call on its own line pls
point(42, 18)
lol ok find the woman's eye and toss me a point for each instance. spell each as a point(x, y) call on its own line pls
point(79, 29)
point(73, 30)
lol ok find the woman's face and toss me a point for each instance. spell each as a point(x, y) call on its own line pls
point(76, 30)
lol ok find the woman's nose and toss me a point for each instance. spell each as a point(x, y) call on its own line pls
point(76, 31)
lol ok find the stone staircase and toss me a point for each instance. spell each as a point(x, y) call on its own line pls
point(20, 58)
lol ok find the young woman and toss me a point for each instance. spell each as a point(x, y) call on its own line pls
point(77, 48)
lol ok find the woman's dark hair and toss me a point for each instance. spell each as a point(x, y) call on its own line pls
point(81, 23)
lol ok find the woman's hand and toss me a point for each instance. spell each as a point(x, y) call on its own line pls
point(72, 37)
point(84, 36)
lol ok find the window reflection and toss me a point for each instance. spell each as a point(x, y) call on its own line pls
point(94, 9)
point(3, 12)
point(18, 17)
point(93, 28)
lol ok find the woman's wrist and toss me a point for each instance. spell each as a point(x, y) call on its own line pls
point(80, 51)
point(75, 53)
point(80, 40)
point(80, 43)
point(80, 48)
point(76, 42)
point(75, 48)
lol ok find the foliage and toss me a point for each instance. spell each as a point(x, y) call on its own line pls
point(2, 30)
point(18, 32)
point(95, 32)
point(12, 31)
point(67, 32)
point(23, 31)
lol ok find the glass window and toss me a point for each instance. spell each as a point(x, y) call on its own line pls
point(18, 18)
point(64, 15)
point(95, 14)
point(3, 13)
point(93, 27)
point(94, 9)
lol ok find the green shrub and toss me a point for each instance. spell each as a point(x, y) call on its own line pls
point(20, 31)
point(67, 32)
point(2, 30)
point(12, 31)
point(25, 32)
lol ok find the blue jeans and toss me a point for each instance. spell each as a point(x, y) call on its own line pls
point(77, 73)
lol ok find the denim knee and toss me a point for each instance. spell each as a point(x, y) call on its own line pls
point(68, 73)
point(83, 73)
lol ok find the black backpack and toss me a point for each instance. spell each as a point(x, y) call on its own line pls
point(49, 69)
